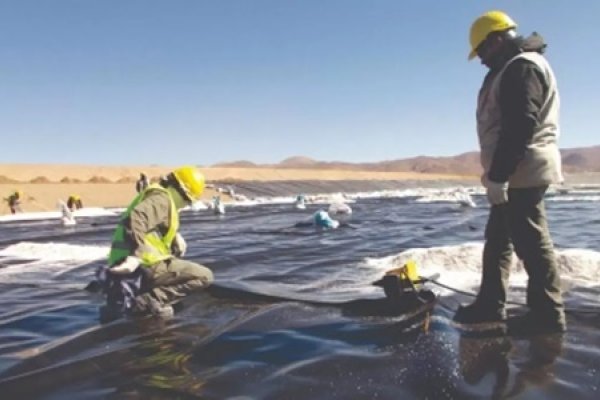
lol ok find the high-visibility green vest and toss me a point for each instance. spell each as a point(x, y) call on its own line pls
point(158, 247)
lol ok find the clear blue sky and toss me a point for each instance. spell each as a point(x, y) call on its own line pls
point(194, 81)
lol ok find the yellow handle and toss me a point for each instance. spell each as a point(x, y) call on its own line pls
point(411, 270)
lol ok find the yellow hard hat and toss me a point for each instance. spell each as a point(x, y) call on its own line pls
point(19, 193)
point(191, 181)
point(491, 21)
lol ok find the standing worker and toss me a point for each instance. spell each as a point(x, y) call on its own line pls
point(142, 183)
point(517, 125)
point(14, 201)
point(144, 274)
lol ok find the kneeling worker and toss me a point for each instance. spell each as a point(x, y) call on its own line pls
point(145, 275)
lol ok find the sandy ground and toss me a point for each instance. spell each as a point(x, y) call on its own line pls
point(43, 196)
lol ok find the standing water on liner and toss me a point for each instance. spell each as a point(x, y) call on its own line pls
point(280, 322)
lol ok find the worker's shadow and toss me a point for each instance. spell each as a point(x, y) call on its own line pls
point(479, 357)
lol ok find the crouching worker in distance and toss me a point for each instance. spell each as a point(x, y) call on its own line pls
point(324, 221)
point(74, 202)
point(145, 275)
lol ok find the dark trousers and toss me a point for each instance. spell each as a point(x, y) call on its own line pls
point(521, 225)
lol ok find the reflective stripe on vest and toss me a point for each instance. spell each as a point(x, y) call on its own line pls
point(157, 247)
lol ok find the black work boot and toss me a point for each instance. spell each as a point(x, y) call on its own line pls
point(113, 309)
point(109, 313)
point(478, 313)
point(146, 304)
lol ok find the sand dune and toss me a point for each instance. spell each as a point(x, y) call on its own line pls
point(104, 174)
point(113, 186)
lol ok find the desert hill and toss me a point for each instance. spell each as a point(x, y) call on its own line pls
point(575, 160)
point(236, 164)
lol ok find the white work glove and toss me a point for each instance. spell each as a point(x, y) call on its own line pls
point(179, 246)
point(497, 192)
point(127, 266)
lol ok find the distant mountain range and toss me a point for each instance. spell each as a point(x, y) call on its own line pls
point(582, 159)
